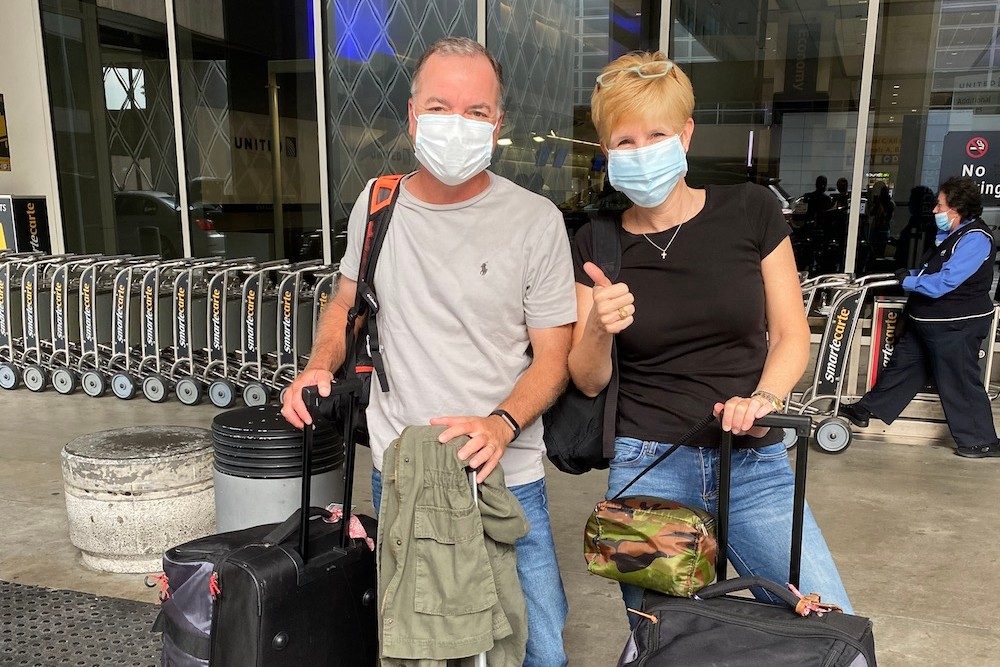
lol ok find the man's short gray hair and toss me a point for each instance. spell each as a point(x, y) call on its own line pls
point(459, 46)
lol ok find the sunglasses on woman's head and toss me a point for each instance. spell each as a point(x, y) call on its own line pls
point(652, 70)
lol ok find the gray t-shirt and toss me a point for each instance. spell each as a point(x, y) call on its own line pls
point(458, 286)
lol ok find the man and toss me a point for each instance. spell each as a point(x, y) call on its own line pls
point(842, 198)
point(476, 303)
point(817, 201)
point(949, 312)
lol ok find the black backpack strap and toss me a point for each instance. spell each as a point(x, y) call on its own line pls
point(607, 254)
point(381, 203)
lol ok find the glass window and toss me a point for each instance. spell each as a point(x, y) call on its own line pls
point(248, 103)
point(109, 86)
point(372, 48)
point(776, 102)
point(929, 123)
point(552, 52)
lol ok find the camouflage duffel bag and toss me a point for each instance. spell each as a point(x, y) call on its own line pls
point(652, 543)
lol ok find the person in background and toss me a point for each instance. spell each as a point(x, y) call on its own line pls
point(949, 313)
point(817, 201)
point(880, 210)
point(842, 198)
point(707, 316)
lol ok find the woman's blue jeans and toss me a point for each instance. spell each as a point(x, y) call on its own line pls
point(760, 515)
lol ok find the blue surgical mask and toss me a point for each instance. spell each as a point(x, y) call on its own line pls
point(649, 174)
point(942, 221)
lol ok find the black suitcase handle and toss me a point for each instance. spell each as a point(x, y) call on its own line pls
point(802, 424)
point(719, 589)
point(324, 407)
point(287, 528)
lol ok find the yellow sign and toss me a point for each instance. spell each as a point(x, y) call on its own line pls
point(4, 142)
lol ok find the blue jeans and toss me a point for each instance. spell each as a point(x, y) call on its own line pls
point(760, 515)
point(539, 574)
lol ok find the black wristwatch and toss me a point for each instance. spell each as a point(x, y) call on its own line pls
point(510, 421)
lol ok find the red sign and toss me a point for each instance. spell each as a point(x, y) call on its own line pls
point(976, 147)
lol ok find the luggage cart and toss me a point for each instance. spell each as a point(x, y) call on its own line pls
point(824, 396)
point(319, 296)
point(259, 330)
point(70, 292)
point(96, 296)
point(127, 326)
point(12, 266)
point(158, 284)
point(296, 293)
point(38, 283)
point(191, 308)
point(227, 290)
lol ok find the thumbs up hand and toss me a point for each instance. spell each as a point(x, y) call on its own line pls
point(613, 309)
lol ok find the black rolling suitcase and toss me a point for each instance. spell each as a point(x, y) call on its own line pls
point(717, 629)
point(294, 594)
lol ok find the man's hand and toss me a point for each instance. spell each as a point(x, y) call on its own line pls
point(293, 409)
point(738, 415)
point(489, 437)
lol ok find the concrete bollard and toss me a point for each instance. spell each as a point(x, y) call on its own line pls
point(132, 493)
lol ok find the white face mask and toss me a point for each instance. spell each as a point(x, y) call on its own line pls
point(452, 147)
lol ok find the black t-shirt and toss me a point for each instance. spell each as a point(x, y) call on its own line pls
point(700, 332)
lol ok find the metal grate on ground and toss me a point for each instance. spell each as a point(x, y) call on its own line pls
point(41, 627)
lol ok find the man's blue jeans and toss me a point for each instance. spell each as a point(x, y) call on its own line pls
point(539, 574)
point(760, 515)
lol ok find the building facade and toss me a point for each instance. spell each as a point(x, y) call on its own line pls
point(197, 127)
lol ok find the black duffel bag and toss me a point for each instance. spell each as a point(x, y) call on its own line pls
point(718, 630)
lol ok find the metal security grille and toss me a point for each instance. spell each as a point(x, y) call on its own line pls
point(42, 627)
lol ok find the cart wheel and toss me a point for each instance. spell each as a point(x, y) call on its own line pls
point(94, 384)
point(154, 388)
point(64, 381)
point(790, 437)
point(123, 386)
point(10, 378)
point(255, 394)
point(35, 378)
point(222, 393)
point(833, 435)
point(188, 391)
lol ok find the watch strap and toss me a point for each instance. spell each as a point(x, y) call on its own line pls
point(510, 421)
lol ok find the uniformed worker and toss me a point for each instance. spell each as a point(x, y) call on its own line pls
point(949, 312)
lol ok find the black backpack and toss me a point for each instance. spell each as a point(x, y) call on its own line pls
point(579, 430)
point(363, 355)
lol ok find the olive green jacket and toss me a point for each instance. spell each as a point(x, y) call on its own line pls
point(447, 571)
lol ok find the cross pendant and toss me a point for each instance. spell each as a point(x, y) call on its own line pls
point(663, 255)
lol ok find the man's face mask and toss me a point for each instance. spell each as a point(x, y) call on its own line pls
point(452, 147)
point(649, 174)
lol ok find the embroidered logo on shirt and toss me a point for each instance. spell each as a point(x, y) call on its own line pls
point(483, 269)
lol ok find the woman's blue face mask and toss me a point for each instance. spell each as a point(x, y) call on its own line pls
point(649, 174)
point(942, 221)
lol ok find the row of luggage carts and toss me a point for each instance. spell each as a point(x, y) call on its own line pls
point(228, 328)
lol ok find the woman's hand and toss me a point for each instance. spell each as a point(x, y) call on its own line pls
point(613, 309)
point(738, 415)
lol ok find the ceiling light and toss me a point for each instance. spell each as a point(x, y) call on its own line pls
point(896, 86)
point(895, 94)
point(538, 138)
point(913, 110)
point(895, 102)
point(506, 141)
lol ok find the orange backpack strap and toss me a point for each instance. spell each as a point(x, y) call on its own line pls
point(381, 201)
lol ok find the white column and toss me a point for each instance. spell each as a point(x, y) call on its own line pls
point(175, 96)
point(319, 57)
point(861, 140)
point(665, 24)
point(481, 21)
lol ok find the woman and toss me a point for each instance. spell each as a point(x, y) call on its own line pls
point(949, 314)
point(707, 315)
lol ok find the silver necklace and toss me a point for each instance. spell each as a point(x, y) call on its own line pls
point(663, 251)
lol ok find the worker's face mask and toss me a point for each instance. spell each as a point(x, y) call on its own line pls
point(942, 221)
point(452, 147)
point(649, 174)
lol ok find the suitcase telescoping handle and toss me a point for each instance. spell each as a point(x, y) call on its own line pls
point(323, 407)
point(802, 425)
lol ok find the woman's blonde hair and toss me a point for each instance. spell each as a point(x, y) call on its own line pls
point(628, 95)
